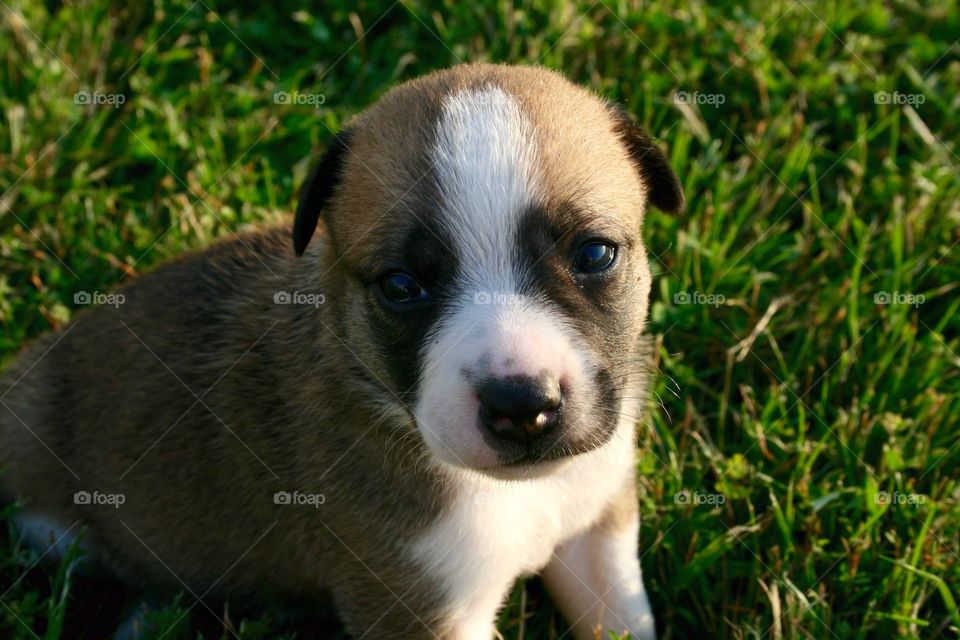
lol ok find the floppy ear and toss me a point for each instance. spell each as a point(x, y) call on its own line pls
point(317, 189)
point(663, 187)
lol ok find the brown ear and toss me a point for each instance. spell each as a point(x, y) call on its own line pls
point(663, 188)
point(318, 189)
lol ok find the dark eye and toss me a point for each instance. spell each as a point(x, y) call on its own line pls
point(593, 257)
point(401, 288)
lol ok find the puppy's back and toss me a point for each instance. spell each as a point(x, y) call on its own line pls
point(150, 392)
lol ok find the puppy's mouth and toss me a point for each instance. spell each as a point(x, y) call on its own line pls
point(525, 466)
point(538, 461)
point(524, 460)
point(547, 452)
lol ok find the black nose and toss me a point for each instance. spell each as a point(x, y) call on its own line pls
point(519, 407)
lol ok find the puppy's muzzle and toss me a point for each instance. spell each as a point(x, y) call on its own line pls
point(520, 408)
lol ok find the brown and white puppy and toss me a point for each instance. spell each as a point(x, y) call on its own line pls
point(458, 412)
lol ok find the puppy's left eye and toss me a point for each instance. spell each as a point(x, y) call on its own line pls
point(594, 256)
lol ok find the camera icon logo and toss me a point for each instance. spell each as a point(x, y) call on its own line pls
point(282, 497)
point(881, 497)
point(82, 497)
point(81, 97)
point(82, 297)
point(484, 498)
point(282, 297)
point(681, 297)
point(482, 297)
point(881, 297)
point(281, 97)
point(682, 497)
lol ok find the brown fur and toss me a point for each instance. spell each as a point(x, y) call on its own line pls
point(578, 149)
point(199, 498)
point(198, 398)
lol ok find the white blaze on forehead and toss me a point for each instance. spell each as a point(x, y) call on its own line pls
point(485, 160)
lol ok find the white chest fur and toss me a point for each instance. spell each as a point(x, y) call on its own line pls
point(499, 530)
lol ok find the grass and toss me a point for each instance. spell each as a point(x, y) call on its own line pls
point(791, 403)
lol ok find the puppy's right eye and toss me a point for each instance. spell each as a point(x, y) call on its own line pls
point(400, 288)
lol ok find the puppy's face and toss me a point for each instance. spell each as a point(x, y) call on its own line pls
point(487, 221)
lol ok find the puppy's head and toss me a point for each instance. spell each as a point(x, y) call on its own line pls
point(486, 222)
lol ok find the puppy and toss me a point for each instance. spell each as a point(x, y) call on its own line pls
point(435, 395)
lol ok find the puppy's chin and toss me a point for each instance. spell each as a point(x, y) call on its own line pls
point(525, 469)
